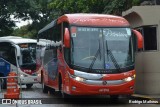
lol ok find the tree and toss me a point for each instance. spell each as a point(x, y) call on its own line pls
point(79, 6)
point(6, 23)
point(25, 32)
point(91, 6)
point(41, 12)
point(35, 10)
point(116, 7)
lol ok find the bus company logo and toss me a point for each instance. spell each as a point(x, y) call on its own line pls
point(104, 82)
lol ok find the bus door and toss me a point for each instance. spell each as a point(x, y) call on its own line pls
point(53, 66)
point(45, 61)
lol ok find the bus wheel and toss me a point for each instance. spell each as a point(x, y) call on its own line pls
point(44, 88)
point(3, 83)
point(64, 95)
point(29, 86)
point(51, 90)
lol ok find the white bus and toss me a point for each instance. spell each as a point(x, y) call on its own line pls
point(21, 54)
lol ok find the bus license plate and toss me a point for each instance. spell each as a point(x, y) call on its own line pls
point(104, 90)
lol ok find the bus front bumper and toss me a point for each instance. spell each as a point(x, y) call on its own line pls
point(28, 79)
point(79, 88)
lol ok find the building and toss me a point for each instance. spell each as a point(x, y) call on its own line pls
point(146, 19)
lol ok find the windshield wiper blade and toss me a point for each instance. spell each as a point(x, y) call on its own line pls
point(112, 57)
point(95, 57)
point(114, 60)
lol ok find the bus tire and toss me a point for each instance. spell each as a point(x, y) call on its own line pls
point(44, 88)
point(51, 90)
point(64, 95)
point(41, 81)
point(3, 83)
point(29, 86)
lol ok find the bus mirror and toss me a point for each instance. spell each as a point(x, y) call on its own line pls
point(18, 50)
point(66, 38)
point(139, 38)
point(18, 54)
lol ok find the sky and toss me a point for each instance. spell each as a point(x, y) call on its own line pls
point(20, 22)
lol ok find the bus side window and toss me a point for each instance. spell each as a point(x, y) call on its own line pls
point(7, 52)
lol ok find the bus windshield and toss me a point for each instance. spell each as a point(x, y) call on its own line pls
point(110, 49)
point(28, 52)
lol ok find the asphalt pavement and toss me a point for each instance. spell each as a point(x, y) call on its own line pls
point(34, 97)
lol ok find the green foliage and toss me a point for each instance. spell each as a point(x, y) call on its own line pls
point(117, 6)
point(79, 6)
point(6, 23)
point(41, 12)
point(135, 2)
point(25, 31)
point(91, 6)
point(36, 10)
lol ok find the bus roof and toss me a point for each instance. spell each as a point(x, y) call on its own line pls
point(16, 40)
point(88, 19)
point(10, 37)
point(85, 19)
point(50, 25)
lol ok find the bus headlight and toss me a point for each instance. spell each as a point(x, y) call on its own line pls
point(129, 78)
point(23, 75)
point(39, 75)
point(79, 79)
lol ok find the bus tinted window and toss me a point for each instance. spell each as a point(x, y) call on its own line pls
point(7, 52)
point(28, 51)
point(53, 34)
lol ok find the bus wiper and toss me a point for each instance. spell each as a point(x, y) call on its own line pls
point(95, 57)
point(112, 58)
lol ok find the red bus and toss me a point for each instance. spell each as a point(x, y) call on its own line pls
point(88, 54)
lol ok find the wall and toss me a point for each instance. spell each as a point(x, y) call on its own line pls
point(147, 62)
point(148, 73)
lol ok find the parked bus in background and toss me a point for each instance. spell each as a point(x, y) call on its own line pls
point(21, 54)
point(88, 54)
